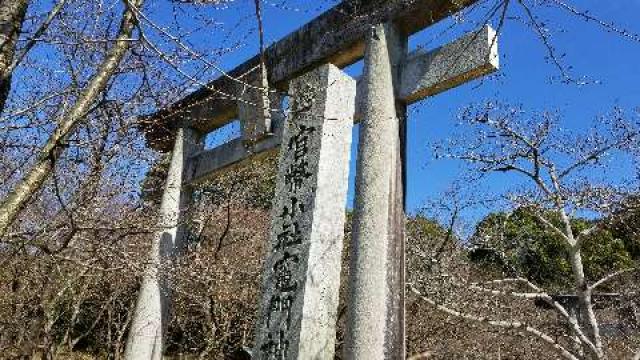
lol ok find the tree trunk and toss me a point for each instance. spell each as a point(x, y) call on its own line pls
point(12, 13)
point(20, 195)
point(589, 322)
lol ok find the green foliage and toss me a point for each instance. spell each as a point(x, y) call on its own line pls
point(604, 253)
point(425, 228)
point(519, 244)
point(626, 226)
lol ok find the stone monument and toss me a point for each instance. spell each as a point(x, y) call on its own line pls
point(301, 283)
point(302, 271)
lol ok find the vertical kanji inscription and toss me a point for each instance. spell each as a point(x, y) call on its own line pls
point(302, 270)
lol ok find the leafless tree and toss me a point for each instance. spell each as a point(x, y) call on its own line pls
point(35, 177)
point(12, 15)
point(559, 171)
point(71, 161)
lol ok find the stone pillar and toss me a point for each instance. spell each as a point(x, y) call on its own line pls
point(375, 324)
point(257, 119)
point(396, 276)
point(302, 270)
point(146, 336)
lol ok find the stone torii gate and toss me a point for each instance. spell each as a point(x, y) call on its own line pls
point(302, 271)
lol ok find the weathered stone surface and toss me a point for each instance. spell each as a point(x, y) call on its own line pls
point(302, 271)
point(427, 73)
point(204, 164)
point(471, 56)
point(257, 118)
point(370, 334)
point(145, 339)
point(336, 36)
point(423, 74)
point(302, 268)
point(395, 339)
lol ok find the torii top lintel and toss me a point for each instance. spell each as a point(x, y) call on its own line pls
point(336, 36)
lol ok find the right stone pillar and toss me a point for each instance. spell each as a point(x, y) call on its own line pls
point(375, 324)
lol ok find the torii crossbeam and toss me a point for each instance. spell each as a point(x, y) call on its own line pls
point(336, 37)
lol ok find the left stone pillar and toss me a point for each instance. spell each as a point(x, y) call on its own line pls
point(146, 334)
point(302, 270)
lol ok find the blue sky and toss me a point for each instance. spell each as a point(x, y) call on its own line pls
point(609, 62)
